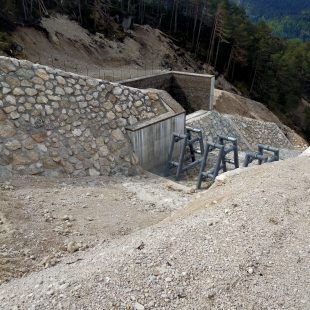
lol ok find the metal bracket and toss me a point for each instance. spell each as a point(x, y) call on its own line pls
point(261, 155)
point(188, 151)
point(225, 146)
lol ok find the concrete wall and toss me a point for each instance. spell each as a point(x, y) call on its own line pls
point(192, 91)
point(151, 139)
point(53, 122)
point(151, 142)
point(196, 91)
point(158, 81)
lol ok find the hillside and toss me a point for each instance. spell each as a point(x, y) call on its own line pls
point(66, 45)
point(273, 8)
point(289, 19)
point(216, 34)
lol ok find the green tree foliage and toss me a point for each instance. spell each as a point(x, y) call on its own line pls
point(292, 26)
point(287, 18)
point(272, 8)
point(5, 41)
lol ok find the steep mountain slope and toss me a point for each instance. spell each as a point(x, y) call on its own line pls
point(273, 8)
point(68, 46)
point(289, 19)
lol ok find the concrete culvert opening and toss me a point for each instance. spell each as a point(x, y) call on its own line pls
point(180, 94)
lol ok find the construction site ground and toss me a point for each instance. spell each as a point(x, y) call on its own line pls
point(144, 243)
point(43, 220)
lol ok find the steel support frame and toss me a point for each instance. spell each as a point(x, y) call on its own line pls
point(187, 141)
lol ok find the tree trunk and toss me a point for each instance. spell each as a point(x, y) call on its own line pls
point(212, 39)
point(195, 24)
point(80, 13)
point(229, 62)
point(253, 80)
point(25, 10)
point(217, 52)
point(233, 72)
point(200, 27)
point(176, 16)
point(172, 15)
point(128, 6)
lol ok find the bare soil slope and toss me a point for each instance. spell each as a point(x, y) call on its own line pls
point(70, 47)
point(244, 244)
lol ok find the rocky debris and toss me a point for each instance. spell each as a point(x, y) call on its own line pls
point(254, 255)
point(249, 132)
point(255, 132)
point(44, 221)
point(6, 186)
point(179, 187)
point(227, 102)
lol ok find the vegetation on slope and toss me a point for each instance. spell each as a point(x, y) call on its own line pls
point(292, 26)
point(273, 8)
point(288, 19)
point(265, 67)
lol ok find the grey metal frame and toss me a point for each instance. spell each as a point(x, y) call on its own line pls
point(221, 161)
point(188, 140)
point(261, 156)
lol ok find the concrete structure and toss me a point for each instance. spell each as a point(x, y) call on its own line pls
point(54, 122)
point(192, 91)
point(151, 138)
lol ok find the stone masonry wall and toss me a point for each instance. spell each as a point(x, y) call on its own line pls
point(53, 122)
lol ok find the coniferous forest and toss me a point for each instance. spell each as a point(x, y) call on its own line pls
point(250, 54)
point(289, 19)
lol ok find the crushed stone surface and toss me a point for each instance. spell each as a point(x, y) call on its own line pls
point(243, 244)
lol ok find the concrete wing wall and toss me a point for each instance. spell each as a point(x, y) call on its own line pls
point(151, 143)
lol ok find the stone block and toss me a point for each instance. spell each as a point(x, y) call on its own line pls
point(39, 137)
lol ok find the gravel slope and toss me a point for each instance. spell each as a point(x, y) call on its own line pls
point(243, 244)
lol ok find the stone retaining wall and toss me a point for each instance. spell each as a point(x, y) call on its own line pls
point(53, 122)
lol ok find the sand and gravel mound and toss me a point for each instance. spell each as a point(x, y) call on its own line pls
point(243, 244)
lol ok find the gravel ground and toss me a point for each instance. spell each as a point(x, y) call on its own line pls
point(243, 244)
point(44, 220)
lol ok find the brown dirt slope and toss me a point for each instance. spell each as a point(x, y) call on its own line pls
point(68, 46)
point(44, 220)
